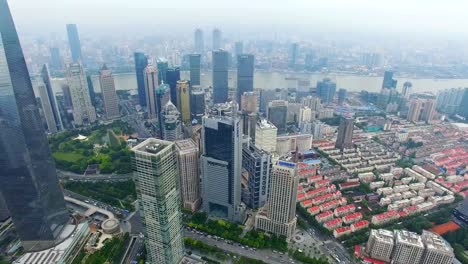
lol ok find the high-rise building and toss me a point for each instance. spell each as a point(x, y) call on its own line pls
point(342, 93)
point(163, 96)
point(428, 110)
point(197, 104)
point(257, 164)
point(248, 110)
point(265, 135)
point(294, 55)
point(189, 173)
point(414, 110)
point(245, 74)
point(83, 109)
point(437, 250)
point(238, 48)
point(74, 42)
point(312, 102)
point(461, 212)
point(195, 68)
point(388, 81)
point(183, 101)
point(29, 182)
point(217, 39)
point(463, 108)
point(163, 66)
point(172, 77)
point(156, 179)
point(407, 86)
point(344, 139)
point(151, 83)
point(92, 94)
point(55, 60)
point(371, 60)
point(409, 247)
point(277, 114)
point(221, 166)
point(326, 90)
point(380, 244)
point(109, 96)
point(54, 122)
point(172, 126)
point(220, 76)
point(248, 102)
point(199, 42)
point(278, 216)
point(141, 61)
point(449, 101)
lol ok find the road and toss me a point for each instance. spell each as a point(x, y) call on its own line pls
point(116, 211)
point(264, 255)
point(134, 250)
point(99, 177)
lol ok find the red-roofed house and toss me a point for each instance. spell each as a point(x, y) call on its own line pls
point(322, 183)
point(360, 225)
point(340, 211)
point(301, 197)
point(332, 224)
point(306, 203)
point(352, 218)
point(329, 205)
point(348, 185)
point(341, 231)
point(385, 217)
point(324, 216)
point(313, 210)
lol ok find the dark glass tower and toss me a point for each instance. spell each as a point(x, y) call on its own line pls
point(55, 61)
point(172, 76)
point(28, 179)
point(216, 39)
point(197, 105)
point(220, 76)
point(326, 90)
point(162, 65)
point(141, 61)
point(388, 81)
point(195, 71)
point(199, 43)
point(245, 74)
point(74, 42)
point(51, 97)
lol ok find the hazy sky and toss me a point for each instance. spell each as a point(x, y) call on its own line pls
point(427, 16)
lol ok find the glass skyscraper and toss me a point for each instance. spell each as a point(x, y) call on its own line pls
point(172, 76)
point(74, 42)
point(195, 69)
point(141, 61)
point(245, 74)
point(28, 178)
point(220, 76)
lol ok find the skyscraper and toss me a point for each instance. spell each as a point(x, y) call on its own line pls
point(277, 114)
point(407, 89)
point(172, 126)
point(414, 110)
point(344, 139)
point(163, 97)
point(342, 96)
point(380, 244)
point(257, 164)
point(409, 247)
point(217, 39)
point(50, 100)
point(428, 112)
point(278, 216)
point(220, 76)
point(245, 74)
point(55, 60)
point(463, 108)
point(326, 90)
point(388, 81)
point(265, 135)
point(195, 68)
point(183, 100)
point(221, 166)
point(151, 83)
point(199, 43)
point(74, 42)
point(172, 77)
point(141, 61)
point(437, 250)
point(239, 48)
point(156, 171)
point(111, 101)
point(293, 55)
point(197, 104)
point(248, 109)
point(163, 66)
point(83, 110)
point(92, 93)
point(189, 173)
point(28, 180)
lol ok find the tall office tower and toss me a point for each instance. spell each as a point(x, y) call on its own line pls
point(344, 139)
point(305, 116)
point(220, 76)
point(293, 55)
point(197, 104)
point(278, 216)
point(28, 180)
point(183, 101)
point(239, 48)
point(245, 74)
point(163, 66)
point(428, 111)
point(155, 170)
point(277, 114)
point(111, 101)
point(414, 110)
point(54, 122)
point(141, 61)
point(257, 165)
point(326, 90)
point(409, 247)
point(265, 135)
point(438, 251)
point(342, 93)
point(388, 81)
point(163, 96)
point(463, 108)
point(406, 90)
point(91, 92)
point(248, 109)
point(217, 41)
point(199, 42)
point(151, 83)
point(189, 173)
point(265, 97)
point(74, 42)
point(83, 110)
point(380, 244)
point(195, 68)
point(248, 102)
point(172, 77)
point(55, 60)
point(67, 96)
point(312, 102)
point(172, 126)
point(221, 166)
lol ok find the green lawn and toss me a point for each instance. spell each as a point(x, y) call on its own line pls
point(68, 156)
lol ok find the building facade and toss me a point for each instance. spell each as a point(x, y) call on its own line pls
point(49, 102)
point(151, 83)
point(183, 101)
point(344, 139)
point(220, 76)
point(380, 244)
point(409, 247)
point(437, 251)
point(257, 164)
point(109, 96)
point(189, 173)
point(197, 104)
point(74, 42)
point(195, 69)
point(199, 43)
point(265, 135)
point(245, 74)
point(83, 110)
point(217, 39)
point(277, 114)
point(326, 90)
point(172, 77)
point(141, 62)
